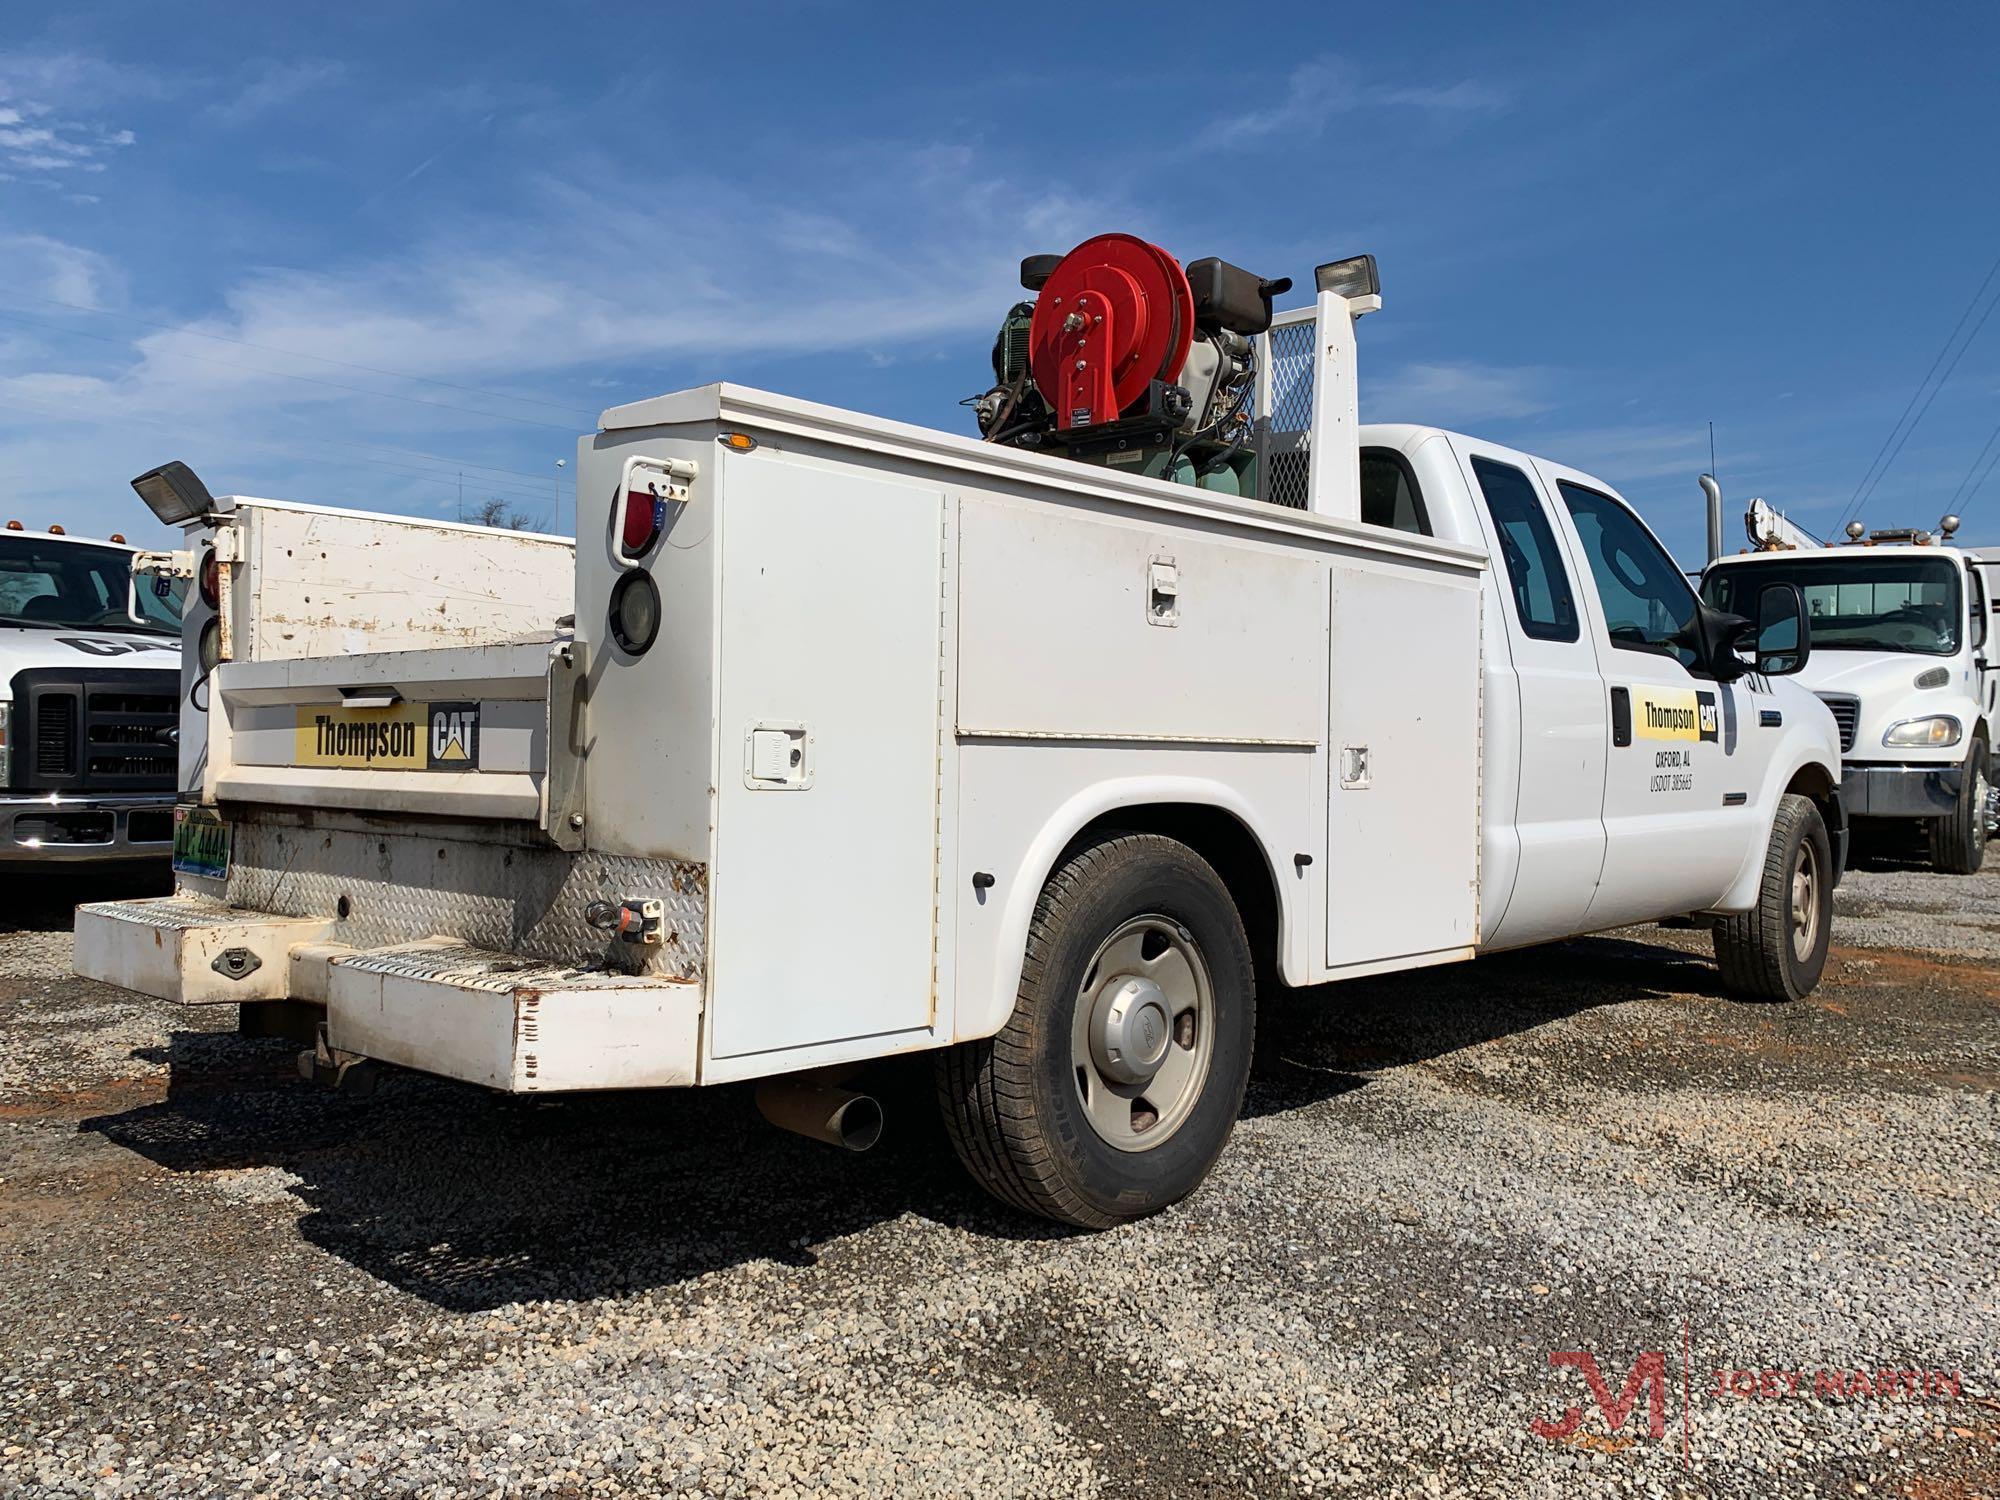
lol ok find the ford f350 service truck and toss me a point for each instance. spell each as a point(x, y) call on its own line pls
point(1041, 752)
point(88, 710)
point(1901, 627)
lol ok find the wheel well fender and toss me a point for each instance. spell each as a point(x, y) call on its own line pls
point(1208, 816)
point(1810, 776)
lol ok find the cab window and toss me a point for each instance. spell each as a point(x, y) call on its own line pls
point(1535, 573)
point(1389, 493)
point(1648, 605)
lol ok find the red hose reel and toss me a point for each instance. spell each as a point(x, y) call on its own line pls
point(1114, 316)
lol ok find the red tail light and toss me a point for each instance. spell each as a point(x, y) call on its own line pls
point(645, 513)
point(211, 580)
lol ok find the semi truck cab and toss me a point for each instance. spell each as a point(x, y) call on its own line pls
point(1902, 654)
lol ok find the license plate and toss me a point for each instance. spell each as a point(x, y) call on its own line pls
point(201, 843)
point(400, 737)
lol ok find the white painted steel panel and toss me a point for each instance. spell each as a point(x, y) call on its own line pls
point(1057, 634)
point(491, 1019)
point(1403, 829)
point(830, 618)
point(167, 946)
point(648, 726)
point(323, 583)
point(1022, 801)
point(1561, 715)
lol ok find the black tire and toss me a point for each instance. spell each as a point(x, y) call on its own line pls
point(1958, 839)
point(1760, 951)
point(1013, 1103)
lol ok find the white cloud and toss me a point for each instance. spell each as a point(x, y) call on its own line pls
point(1318, 90)
point(274, 85)
point(584, 275)
point(41, 131)
point(1450, 394)
point(40, 266)
point(1629, 454)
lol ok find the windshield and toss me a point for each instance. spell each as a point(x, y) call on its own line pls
point(1855, 603)
point(72, 586)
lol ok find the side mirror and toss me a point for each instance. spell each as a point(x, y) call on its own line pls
point(1779, 642)
point(1712, 635)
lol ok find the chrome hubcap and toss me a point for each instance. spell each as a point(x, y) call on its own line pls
point(1805, 901)
point(1143, 1033)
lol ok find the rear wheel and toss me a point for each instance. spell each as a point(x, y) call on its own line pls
point(1777, 949)
point(1958, 839)
point(1118, 1077)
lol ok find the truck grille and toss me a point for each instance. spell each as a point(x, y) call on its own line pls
point(55, 736)
point(1846, 713)
point(110, 732)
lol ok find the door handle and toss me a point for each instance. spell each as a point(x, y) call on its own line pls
point(1621, 716)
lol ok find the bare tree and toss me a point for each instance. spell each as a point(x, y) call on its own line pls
point(497, 512)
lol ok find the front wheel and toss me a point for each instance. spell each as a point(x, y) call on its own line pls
point(1777, 949)
point(1958, 839)
point(1118, 1077)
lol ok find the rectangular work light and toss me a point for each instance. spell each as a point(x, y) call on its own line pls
point(172, 493)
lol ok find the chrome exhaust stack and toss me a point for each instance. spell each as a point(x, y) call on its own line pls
point(822, 1111)
point(1714, 492)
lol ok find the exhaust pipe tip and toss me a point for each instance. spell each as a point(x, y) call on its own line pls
point(821, 1112)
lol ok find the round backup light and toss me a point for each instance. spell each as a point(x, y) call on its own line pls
point(211, 580)
point(209, 649)
point(635, 612)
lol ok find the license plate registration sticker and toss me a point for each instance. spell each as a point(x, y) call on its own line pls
point(201, 843)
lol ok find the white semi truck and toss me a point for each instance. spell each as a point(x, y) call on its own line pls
point(1042, 753)
point(1901, 624)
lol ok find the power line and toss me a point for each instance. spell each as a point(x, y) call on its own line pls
point(358, 390)
point(1991, 438)
point(1859, 498)
point(223, 338)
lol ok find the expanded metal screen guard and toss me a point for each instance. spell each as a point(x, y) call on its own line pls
point(1284, 409)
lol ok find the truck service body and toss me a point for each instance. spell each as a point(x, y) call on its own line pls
point(867, 739)
point(88, 710)
point(1903, 655)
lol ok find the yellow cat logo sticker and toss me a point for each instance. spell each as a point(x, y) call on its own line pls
point(1663, 714)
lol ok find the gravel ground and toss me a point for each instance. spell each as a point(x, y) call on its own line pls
point(215, 1279)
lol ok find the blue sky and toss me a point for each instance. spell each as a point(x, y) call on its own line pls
point(343, 254)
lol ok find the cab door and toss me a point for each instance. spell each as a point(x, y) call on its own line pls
point(1688, 755)
point(1546, 713)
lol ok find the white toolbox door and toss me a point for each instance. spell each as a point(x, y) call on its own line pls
point(1403, 742)
point(826, 827)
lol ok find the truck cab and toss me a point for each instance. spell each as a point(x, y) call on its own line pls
point(90, 663)
point(1901, 653)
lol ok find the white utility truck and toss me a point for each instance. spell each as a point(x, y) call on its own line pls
point(88, 708)
point(1901, 623)
point(1040, 752)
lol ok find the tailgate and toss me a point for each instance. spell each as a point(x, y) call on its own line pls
point(460, 731)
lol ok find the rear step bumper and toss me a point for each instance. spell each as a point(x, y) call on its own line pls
point(440, 1006)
